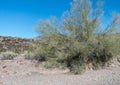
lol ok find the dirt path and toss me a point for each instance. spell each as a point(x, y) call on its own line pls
point(23, 72)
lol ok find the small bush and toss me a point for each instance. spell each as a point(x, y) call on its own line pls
point(34, 55)
point(8, 55)
point(2, 50)
point(27, 55)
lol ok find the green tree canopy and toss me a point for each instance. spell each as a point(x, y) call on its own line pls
point(78, 39)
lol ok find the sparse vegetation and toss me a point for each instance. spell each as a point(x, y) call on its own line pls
point(8, 55)
point(36, 55)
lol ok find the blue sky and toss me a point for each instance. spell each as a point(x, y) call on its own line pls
point(18, 18)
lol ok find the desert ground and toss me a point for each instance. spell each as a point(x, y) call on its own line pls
point(25, 72)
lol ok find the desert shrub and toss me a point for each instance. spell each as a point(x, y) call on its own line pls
point(36, 54)
point(8, 55)
point(2, 50)
point(27, 55)
point(79, 41)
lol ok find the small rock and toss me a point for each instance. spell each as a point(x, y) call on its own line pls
point(15, 72)
point(4, 66)
point(29, 74)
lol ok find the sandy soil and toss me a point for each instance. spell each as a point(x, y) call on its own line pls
point(23, 72)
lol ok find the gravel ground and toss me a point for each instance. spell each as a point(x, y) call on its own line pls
point(23, 72)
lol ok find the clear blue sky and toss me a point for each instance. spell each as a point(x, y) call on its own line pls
point(20, 17)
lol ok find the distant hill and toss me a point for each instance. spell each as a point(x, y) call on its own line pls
point(15, 44)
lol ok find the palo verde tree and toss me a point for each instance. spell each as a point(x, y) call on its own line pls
point(80, 38)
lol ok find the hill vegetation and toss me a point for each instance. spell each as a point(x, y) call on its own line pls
point(17, 45)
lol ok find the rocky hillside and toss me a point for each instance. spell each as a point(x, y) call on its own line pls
point(16, 44)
